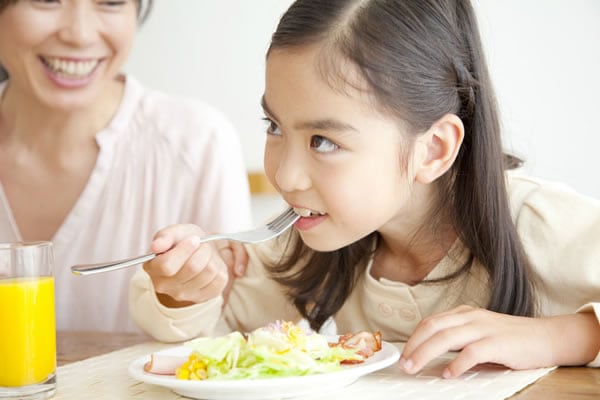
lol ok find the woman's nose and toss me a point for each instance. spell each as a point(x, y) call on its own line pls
point(79, 24)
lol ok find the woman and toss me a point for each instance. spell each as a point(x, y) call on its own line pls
point(93, 161)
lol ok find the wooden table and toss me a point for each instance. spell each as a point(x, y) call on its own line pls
point(573, 383)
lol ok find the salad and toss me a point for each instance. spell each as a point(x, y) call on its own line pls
point(279, 349)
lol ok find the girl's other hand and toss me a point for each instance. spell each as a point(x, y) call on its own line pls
point(481, 336)
point(236, 258)
point(185, 271)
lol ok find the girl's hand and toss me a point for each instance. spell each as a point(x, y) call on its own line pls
point(186, 272)
point(484, 336)
point(236, 258)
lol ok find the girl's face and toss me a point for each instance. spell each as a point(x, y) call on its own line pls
point(63, 53)
point(333, 156)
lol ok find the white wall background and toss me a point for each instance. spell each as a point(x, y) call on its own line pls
point(544, 57)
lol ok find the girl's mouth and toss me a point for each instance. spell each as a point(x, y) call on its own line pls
point(308, 213)
point(309, 218)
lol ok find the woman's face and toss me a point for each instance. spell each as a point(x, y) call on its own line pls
point(64, 53)
point(334, 157)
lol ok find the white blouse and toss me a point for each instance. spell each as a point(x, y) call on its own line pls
point(162, 160)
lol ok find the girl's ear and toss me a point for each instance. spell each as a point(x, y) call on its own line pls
point(440, 145)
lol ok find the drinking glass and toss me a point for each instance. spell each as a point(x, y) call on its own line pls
point(27, 321)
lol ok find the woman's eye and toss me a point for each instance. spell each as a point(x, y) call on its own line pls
point(272, 128)
point(322, 144)
point(112, 3)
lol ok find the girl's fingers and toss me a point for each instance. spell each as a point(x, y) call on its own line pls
point(197, 267)
point(213, 289)
point(240, 259)
point(431, 326)
point(202, 277)
point(161, 244)
point(472, 355)
point(165, 238)
point(168, 264)
point(445, 340)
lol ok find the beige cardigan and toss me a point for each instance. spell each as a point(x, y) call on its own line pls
point(560, 231)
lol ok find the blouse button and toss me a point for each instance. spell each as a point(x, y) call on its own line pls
point(407, 314)
point(385, 309)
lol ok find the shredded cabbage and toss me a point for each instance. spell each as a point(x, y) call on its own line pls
point(277, 350)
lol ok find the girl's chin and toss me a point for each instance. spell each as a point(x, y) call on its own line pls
point(321, 244)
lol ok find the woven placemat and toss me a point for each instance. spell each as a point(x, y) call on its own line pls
point(105, 377)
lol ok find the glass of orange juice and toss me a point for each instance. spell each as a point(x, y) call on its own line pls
point(27, 322)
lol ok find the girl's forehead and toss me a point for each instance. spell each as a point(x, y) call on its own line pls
point(314, 69)
point(301, 87)
point(326, 63)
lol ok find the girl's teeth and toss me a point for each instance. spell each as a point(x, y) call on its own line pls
point(305, 212)
point(70, 69)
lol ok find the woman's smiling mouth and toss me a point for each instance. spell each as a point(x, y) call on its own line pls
point(70, 68)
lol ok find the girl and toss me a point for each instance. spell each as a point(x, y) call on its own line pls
point(95, 162)
point(383, 134)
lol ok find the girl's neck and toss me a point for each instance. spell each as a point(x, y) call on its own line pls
point(34, 124)
point(410, 264)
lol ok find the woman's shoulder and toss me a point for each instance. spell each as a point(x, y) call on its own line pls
point(178, 116)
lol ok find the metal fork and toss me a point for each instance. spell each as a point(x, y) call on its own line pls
point(260, 234)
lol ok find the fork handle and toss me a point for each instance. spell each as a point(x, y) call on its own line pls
point(90, 269)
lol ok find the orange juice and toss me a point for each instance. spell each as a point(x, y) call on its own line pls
point(27, 330)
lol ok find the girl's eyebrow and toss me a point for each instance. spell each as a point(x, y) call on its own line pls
point(327, 124)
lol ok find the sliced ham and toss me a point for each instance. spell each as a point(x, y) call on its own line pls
point(367, 343)
point(164, 364)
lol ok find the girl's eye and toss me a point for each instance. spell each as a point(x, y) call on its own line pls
point(322, 144)
point(272, 128)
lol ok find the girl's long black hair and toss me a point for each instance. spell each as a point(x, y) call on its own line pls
point(422, 59)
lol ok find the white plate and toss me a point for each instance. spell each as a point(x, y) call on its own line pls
point(269, 388)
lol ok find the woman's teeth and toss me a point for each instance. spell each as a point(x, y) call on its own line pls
point(70, 69)
point(305, 212)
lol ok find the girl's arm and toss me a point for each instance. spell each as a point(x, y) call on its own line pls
point(180, 295)
point(483, 336)
point(171, 324)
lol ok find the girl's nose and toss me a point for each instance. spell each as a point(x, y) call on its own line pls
point(80, 25)
point(292, 172)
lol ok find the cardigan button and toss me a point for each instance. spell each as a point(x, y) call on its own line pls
point(407, 314)
point(385, 309)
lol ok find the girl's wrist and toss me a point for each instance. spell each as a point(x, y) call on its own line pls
point(575, 338)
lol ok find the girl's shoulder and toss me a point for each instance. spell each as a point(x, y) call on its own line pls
point(559, 230)
point(530, 191)
point(551, 212)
